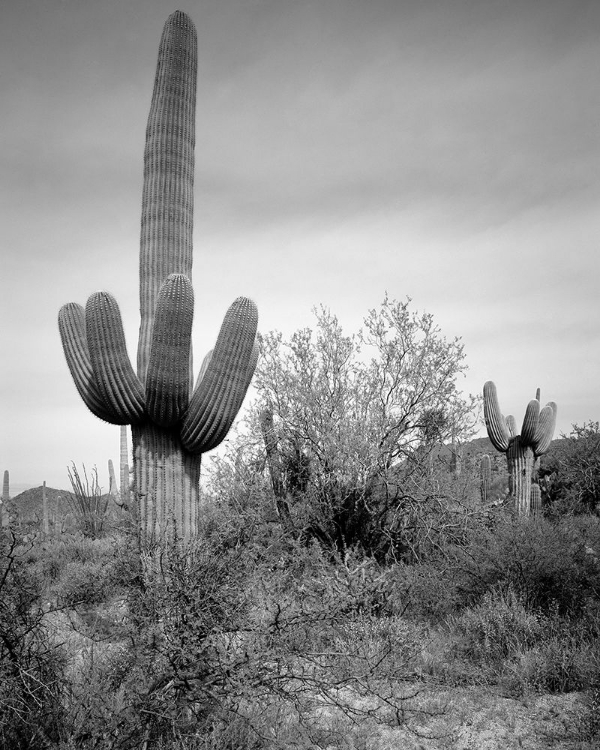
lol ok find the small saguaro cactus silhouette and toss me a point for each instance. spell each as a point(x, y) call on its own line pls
point(274, 463)
point(171, 425)
point(522, 450)
point(485, 477)
point(4, 519)
point(123, 469)
point(45, 512)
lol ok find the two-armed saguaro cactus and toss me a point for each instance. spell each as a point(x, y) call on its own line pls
point(522, 450)
point(172, 425)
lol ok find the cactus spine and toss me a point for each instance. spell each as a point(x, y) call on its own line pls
point(522, 450)
point(170, 427)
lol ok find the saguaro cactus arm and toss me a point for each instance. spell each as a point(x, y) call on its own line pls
point(117, 382)
point(168, 377)
point(545, 428)
point(494, 419)
point(220, 393)
point(530, 421)
point(71, 325)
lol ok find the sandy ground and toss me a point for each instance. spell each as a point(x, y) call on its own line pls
point(477, 718)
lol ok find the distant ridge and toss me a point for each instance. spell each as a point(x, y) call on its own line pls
point(26, 508)
point(28, 505)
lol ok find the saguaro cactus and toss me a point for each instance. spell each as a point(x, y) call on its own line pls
point(113, 490)
point(521, 450)
point(485, 477)
point(275, 469)
point(4, 520)
point(124, 469)
point(45, 512)
point(170, 427)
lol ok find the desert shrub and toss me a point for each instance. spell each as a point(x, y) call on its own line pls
point(497, 628)
point(31, 665)
point(88, 505)
point(421, 591)
point(559, 664)
point(245, 644)
point(570, 472)
point(589, 718)
point(546, 564)
point(75, 570)
point(526, 649)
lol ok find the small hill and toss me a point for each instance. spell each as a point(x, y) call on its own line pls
point(28, 505)
point(26, 508)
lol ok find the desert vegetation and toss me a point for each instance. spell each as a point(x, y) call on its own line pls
point(357, 571)
point(350, 583)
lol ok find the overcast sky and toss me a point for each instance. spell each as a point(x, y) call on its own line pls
point(447, 150)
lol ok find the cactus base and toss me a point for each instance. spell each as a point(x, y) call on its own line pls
point(166, 484)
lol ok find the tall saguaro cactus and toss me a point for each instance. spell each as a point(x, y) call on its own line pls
point(171, 425)
point(522, 450)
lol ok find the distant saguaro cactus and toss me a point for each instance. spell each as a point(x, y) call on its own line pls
point(170, 427)
point(123, 469)
point(45, 513)
point(485, 477)
point(523, 449)
point(113, 490)
point(456, 458)
point(4, 519)
point(274, 464)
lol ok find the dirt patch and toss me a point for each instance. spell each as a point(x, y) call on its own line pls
point(477, 718)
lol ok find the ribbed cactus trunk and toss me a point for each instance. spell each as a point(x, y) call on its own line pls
point(167, 484)
point(520, 459)
point(166, 477)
